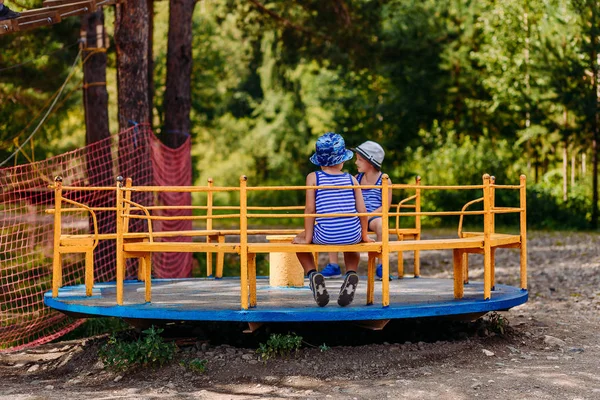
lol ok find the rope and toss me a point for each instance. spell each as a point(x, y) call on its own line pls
point(71, 72)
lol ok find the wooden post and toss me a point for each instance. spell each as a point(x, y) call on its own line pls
point(244, 242)
point(89, 272)
point(417, 268)
point(147, 261)
point(385, 240)
point(400, 257)
point(523, 223)
point(56, 262)
point(209, 225)
point(371, 278)
point(487, 248)
point(119, 246)
point(493, 230)
point(252, 278)
point(457, 257)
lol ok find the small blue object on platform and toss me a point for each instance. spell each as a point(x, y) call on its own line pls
point(205, 299)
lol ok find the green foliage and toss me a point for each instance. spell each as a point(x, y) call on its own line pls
point(324, 348)
point(197, 365)
point(497, 323)
point(451, 90)
point(280, 345)
point(149, 350)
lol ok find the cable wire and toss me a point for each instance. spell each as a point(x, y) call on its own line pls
point(47, 113)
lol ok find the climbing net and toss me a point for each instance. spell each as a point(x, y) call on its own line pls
point(26, 230)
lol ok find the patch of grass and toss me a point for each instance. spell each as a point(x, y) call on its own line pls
point(280, 345)
point(197, 365)
point(149, 350)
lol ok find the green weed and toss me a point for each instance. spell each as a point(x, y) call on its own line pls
point(280, 345)
point(324, 347)
point(196, 365)
point(497, 323)
point(149, 350)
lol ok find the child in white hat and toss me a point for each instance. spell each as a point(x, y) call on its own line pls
point(369, 157)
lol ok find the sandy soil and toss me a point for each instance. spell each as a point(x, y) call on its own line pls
point(550, 349)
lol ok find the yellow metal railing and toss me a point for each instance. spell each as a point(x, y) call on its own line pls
point(126, 209)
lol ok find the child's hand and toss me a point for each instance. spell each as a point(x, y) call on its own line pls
point(300, 239)
point(367, 239)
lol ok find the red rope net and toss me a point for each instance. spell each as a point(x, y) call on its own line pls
point(26, 231)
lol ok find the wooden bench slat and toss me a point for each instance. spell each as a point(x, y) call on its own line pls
point(179, 247)
point(309, 248)
point(436, 244)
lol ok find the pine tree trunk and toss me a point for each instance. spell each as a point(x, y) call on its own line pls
point(177, 101)
point(594, 117)
point(131, 38)
point(150, 58)
point(95, 101)
point(565, 171)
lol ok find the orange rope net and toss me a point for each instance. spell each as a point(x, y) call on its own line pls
point(26, 230)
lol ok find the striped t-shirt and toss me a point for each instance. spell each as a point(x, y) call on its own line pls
point(372, 197)
point(331, 230)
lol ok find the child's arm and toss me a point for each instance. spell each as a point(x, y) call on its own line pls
point(309, 208)
point(380, 208)
point(360, 207)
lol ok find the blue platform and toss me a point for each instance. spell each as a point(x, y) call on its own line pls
point(203, 299)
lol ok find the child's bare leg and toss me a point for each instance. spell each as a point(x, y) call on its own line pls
point(334, 258)
point(307, 261)
point(351, 259)
point(350, 283)
point(375, 226)
point(315, 279)
point(332, 269)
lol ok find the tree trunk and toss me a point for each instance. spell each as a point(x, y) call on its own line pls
point(177, 101)
point(95, 96)
point(99, 156)
point(565, 171)
point(594, 117)
point(131, 38)
point(150, 58)
point(177, 106)
point(573, 166)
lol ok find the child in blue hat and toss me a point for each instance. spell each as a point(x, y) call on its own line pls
point(369, 157)
point(330, 155)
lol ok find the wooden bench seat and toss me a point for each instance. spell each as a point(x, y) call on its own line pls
point(181, 247)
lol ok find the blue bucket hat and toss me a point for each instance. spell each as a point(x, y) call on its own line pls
point(330, 150)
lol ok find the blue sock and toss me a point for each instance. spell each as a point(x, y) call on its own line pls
point(310, 272)
point(1, 7)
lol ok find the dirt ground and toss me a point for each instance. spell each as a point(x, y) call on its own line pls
point(550, 350)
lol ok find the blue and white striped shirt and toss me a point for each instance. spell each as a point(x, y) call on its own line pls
point(372, 197)
point(331, 230)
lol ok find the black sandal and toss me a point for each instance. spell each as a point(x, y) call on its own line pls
point(348, 289)
point(317, 285)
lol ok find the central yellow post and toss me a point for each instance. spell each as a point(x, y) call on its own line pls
point(244, 241)
point(385, 241)
point(523, 223)
point(417, 253)
point(487, 236)
point(119, 246)
point(56, 262)
point(209, 225)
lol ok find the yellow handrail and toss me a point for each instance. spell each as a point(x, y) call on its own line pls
point(95, 221)
point(463, 212)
